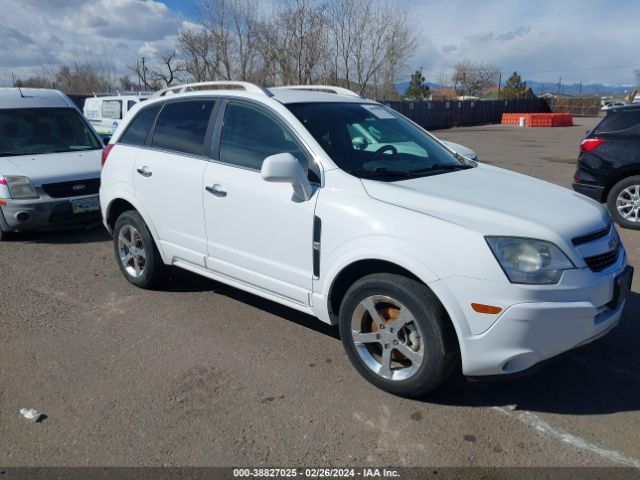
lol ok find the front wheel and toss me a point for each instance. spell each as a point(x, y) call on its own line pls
point(397, 334)
point(136, 252)
point(624, 202)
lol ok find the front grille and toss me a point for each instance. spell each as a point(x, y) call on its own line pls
point(597, 263)
point(77, 188)
point(590, 237)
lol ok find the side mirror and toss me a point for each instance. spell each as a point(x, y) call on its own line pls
point(285, 168)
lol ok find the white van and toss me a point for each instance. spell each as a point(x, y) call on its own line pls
point(106, 112)
point(49, 162)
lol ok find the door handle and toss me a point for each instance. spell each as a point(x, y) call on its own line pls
point(144, 171)
point(216, 190)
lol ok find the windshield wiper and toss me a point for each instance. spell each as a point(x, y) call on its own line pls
point(440, 167)
point(382, 172)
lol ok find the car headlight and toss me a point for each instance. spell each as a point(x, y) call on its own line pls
point(20, 187)
point(530, 261)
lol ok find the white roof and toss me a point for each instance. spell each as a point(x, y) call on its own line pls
point(33, 98)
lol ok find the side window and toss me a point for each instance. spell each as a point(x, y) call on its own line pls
point(182, 126)
point(130, 104)
point(138, 129)
point(112, 109)
point(249, 136)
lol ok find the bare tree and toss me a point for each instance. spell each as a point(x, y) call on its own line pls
point(85, 77)
point(473, 78)
point(369, 40)
point(169, 70)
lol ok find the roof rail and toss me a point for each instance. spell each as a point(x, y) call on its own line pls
point(119, 93)
point(320, 88)
point(214, 85)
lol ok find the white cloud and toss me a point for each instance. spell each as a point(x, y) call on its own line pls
point(544, 40)
point(46, 33)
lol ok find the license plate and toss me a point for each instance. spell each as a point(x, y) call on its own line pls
point(85, 205)
point(622, 286)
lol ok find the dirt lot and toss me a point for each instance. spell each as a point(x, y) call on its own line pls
point(203, 374)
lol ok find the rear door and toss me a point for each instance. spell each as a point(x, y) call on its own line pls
point(168, 177)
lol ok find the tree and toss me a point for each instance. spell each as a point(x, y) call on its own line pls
point(472, 78)
point(85, 77)
point(514, 87)
point(417, 90)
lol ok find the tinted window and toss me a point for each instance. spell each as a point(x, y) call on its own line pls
point(182, 126)
point(249, 136)
point(138, 129)
point(131, 104)
point(29, 131)
point(112, 109)
point(618, 121)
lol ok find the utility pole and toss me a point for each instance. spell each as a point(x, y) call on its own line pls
point(560, 85)
point(580, 88)
point(144, 75)
point(499, 82)
point(13, 78)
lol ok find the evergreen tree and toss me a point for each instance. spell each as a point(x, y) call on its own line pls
point(514, 88)
point(417, 90)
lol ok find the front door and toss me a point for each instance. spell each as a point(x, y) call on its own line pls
point(257, 231)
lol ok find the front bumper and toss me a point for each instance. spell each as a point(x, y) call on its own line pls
point(43, 213)
point(537, 322)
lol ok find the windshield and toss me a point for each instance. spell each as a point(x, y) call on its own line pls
point(30, 131)
point(373, 141)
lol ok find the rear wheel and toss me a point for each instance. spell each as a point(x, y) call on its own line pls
point(624, 202)
point(397, 334)
point(136, 252)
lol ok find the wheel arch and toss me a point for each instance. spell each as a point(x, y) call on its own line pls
point(620, 175)
point(121, 204)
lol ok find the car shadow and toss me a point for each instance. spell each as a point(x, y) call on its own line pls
point(599, 378)
point(71, 235)
point(602, 377)
point(184, 281)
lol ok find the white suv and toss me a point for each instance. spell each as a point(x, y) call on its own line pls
point(422, 257)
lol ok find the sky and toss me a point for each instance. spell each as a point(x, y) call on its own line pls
point(588, 41)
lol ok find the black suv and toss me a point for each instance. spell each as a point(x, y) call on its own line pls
point(609, 165)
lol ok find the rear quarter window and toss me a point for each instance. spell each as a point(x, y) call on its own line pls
point(620, 121)
point(137, 131)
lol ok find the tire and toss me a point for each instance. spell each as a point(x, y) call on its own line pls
point(420, 354)
point(136, 252)
point(623, 202)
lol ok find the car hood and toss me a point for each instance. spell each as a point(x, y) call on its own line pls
point(53, 167)
point(494, 201)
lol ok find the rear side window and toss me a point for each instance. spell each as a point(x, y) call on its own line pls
point(182, 126)
point(131, 104)
point(112, 109)
point(619, 121)
point(139, 127)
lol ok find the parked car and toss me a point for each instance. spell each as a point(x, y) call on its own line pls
point(106, 112)
point(609, 165)
point(49, 162)
point(422, 258)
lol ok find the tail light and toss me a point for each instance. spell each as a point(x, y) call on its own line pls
point(105, 154)
point(590, 144)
